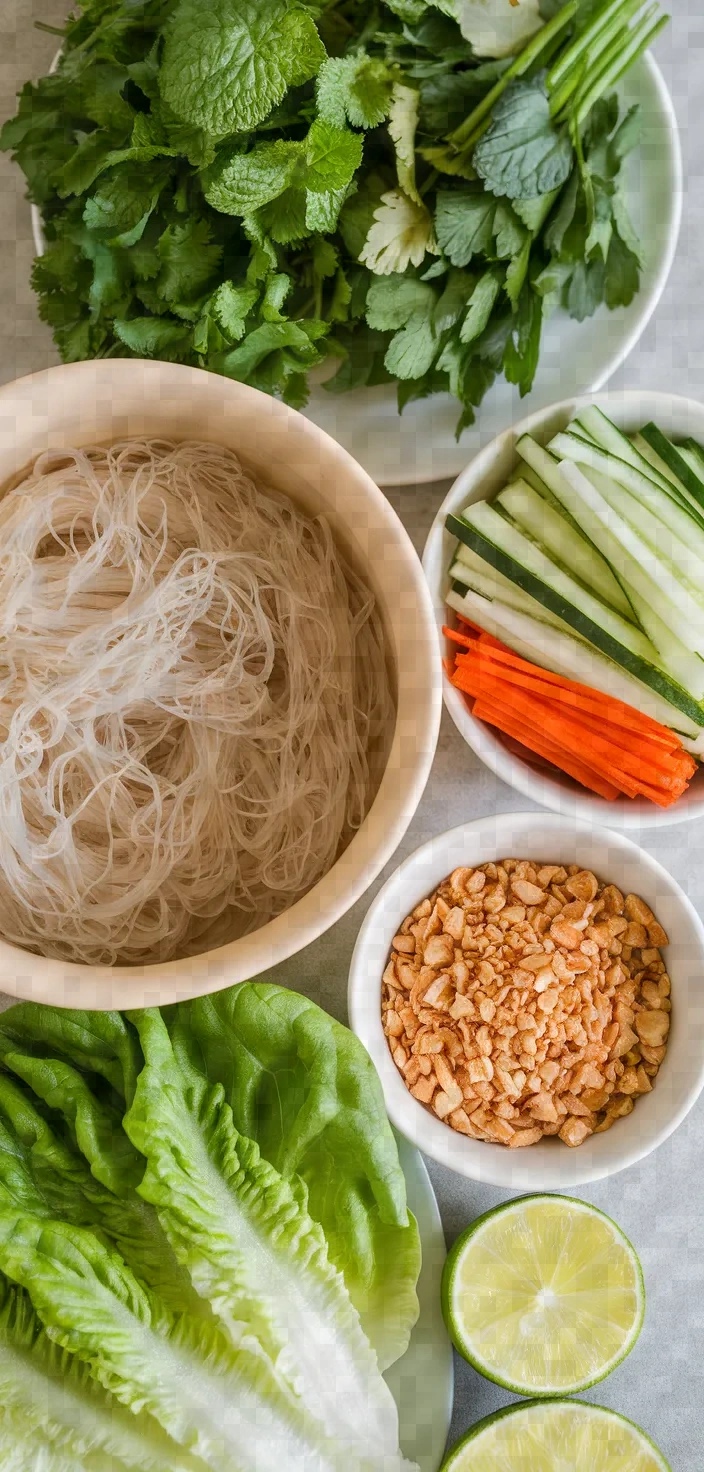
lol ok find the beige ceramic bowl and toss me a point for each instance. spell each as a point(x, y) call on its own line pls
point(109, 400)
point(483, 478)
point(549, 1165)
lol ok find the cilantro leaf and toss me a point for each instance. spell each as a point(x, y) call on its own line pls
point(403, 121)
point(259, 344)
point(586, 289)
point(354, 89)
point(464, 221)
point(153, 337)
point(401, 235)
point(412, 350)
point(227, 63)
point(523, 344)
point(448, 310)
point(231, 305)
point(393, 300)
point(622, 277)
point(190, 260)
point(481, 305)
point(124, 200)
point(523, 153)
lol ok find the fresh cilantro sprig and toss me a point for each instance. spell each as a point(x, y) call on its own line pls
point(270, 187)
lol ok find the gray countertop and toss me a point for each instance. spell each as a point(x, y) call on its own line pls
point(660, 1203)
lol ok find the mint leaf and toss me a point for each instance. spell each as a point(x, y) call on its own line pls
point(393, 300)
point(534, 212)
point(248, 180)
point(227, 63)
point(464, 223)
point(333, 156)
point(357, 216)
point(481, 305)
point(284, 219)
point(411, 352)
point(323, 210)
point(153, 337)
point(523, 153)
point(354, 89)
point(563, 217)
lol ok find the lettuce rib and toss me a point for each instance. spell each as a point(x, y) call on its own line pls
point(252, 1249)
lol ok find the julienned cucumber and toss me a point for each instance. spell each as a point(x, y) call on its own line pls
point(675, 462)
point(582, 624)
point(549, 527)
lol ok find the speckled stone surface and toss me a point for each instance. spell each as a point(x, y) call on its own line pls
point(660, 1203)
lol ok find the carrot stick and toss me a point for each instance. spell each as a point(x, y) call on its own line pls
point(564, 761)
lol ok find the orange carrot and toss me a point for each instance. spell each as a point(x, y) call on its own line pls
point(598, 740)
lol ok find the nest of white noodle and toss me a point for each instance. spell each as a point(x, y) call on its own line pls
point(193, 703)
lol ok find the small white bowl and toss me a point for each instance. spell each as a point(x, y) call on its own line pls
point(550, 1165)
point(482, 479)
point(111, 399)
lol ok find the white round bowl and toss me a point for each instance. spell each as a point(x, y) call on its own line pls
point(550, 1165)
point(481, 479)
point(114, 399)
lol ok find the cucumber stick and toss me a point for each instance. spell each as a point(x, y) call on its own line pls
point(670, 501)
point(565, 544)
point(568, 656)
point(685, 667)
point(676, 462)
point(473, 572)
point(574, 491)
point(683, 560)
point(594, 424)
point(634, 560)
point(554, 595)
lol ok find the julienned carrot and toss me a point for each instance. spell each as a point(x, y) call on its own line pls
point(600, 752)
point(598, 740)
point(502, 717)
point(619, 712)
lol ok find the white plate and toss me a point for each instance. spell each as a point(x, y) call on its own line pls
point(576, 357)
point(422, 1382)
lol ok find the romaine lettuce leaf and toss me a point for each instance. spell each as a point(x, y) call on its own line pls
point(253, 1251)
point(305, 1089)
point(216, 1401)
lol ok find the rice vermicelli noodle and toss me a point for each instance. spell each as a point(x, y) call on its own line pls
point(194, 702)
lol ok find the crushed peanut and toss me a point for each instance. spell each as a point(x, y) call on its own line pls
point(522, 1000)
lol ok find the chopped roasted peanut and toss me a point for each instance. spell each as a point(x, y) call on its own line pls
point(522, 1001)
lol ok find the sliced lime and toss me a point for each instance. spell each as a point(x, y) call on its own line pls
point(544, 1296)
point(555, 1436)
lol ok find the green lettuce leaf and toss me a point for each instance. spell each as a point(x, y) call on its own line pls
point(212, 1399)
point(252, 1249)
point(55, 1414)
point(305, 1089)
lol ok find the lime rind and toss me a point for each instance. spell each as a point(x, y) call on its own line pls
point(453, 1460)
point(469, 1352)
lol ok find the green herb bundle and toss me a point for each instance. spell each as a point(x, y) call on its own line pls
point(258, 186)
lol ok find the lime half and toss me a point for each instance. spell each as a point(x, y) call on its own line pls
point(556, 1436)
point(544, 1296)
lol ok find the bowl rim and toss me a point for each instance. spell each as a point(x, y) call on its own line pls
point(624, 813)
point(64, 984)
point(508, 1169)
